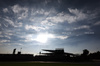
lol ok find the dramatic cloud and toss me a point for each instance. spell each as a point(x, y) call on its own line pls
point(82, 27)
point(2, 41)
point(97, 23)
point(62, 23)
point(74, 16)
point(62, 37)
point(5, 10)
point(9, 21)
point(78, 15)
point(36, 28)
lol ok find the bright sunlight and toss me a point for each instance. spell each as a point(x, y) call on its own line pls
point(43, 37)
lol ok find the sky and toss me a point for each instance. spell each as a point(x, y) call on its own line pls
point(33, 25)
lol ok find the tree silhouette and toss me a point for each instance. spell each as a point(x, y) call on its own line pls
point(84, 56)
point(85, 52)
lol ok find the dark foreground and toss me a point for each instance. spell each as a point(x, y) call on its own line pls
point(49, 63)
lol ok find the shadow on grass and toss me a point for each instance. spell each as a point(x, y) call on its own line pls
point(43, 64)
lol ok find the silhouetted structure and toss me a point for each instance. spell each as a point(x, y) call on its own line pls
point(19, 53)
point(52, 55)
point(16, 57)
point(55, 55)
point(14, 51)
point(58, 52)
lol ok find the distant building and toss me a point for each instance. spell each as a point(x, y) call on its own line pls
point(54, 55)
point(57, 52)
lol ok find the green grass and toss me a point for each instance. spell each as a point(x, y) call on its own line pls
point(41, 64)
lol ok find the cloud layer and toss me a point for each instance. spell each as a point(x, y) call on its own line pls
point(22, 21)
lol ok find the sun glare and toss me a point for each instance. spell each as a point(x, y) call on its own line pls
point(42, 38)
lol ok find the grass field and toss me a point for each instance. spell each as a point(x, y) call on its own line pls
point(44, 64)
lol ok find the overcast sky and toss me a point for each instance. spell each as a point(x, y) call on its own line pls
point(70, 24)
